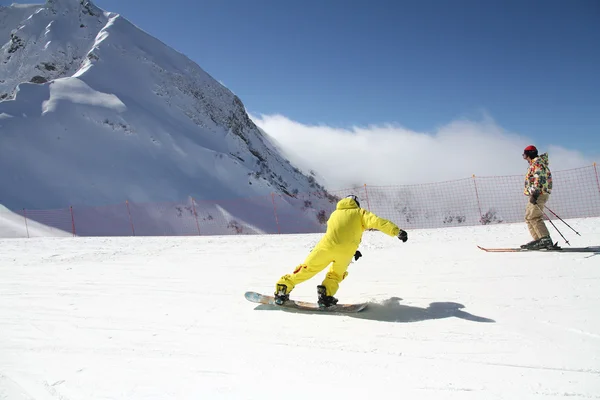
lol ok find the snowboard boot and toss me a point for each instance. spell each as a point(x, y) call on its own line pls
point(543, 243)
point(324, 300)
point(280, 294)
point(528, 245)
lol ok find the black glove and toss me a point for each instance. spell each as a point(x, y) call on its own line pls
point(533, 199)
point(534, 196)
point(402, 235)
point(357, 255)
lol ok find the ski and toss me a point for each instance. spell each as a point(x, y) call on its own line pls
point(590, 249)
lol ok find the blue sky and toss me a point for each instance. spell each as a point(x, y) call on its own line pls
point(531, 66)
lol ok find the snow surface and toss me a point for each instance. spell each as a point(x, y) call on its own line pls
point(165, 318)
point(122, 116)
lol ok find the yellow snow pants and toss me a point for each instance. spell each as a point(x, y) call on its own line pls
point(318, 259)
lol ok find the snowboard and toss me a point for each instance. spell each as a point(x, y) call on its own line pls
point(590, 249)
point(303, 305)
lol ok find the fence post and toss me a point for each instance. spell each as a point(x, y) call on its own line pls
point(72, 221)
point(26, 227)
point(275, 212)
point(597, 180)
point(367, 196)
point(195, 214)
point(477, 196)
point(130, 219)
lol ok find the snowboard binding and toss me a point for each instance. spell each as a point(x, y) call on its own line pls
point(280, 294)
point(324, 300)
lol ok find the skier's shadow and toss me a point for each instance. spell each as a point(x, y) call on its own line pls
point(392, 311)
point(594, 250)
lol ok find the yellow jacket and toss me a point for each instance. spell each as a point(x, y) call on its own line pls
point(347, 224)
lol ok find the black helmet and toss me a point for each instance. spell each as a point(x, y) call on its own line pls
point(353, 197)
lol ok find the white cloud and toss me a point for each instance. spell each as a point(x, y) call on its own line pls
point(392, 155)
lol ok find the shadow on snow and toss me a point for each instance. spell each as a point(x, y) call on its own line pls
point(392, 311)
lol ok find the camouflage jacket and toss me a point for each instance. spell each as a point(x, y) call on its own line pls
point(538, 178)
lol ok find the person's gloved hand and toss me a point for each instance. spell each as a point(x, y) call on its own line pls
point(533, 199)
point(534, 194)
point(357, 255)
point(402, 235)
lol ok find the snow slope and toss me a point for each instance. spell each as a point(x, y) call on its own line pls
point(108, 113)
point(13, 225)
point(165, 318)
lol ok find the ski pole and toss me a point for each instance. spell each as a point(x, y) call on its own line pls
point(549, 220)
point(562, 220)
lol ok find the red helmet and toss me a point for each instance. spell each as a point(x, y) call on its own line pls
point(531, 151)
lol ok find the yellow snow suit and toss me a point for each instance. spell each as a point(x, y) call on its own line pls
point(337, 247)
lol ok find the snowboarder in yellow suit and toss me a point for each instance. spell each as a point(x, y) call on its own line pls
point(338, 246)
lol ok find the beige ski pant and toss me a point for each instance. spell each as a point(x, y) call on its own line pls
point(534, 217)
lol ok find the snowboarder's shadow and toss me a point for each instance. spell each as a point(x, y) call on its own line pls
point(392, 311)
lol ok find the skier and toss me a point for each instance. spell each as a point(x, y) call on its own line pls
point(337, 247)
point(538, 185)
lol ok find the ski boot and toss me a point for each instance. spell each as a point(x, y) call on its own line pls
point(543, 243)
point(324, 300)
point(530, 244)
point(280, 294)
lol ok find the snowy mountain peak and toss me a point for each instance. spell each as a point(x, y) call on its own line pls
point(97, 111)
point(85, 6)
point(45, 42)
